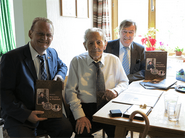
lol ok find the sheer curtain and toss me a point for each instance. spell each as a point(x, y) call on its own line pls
point(7, 41)
point(101, 16)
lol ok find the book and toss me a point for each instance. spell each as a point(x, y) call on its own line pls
point(49, 98)
point(133, 108)
point(136, 96)
point(160, 84)
point(156, 64)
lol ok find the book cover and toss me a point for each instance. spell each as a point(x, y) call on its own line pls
point(161, 84)
point(156, 64)
point(49, 98)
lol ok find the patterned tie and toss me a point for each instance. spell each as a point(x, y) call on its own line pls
point(100, 86)
point(42, 67)
point(125, 62)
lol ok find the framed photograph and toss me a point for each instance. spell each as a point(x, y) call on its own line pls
point(68, 8)
point(82, 8)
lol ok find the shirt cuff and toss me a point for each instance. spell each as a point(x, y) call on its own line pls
point(78, 113)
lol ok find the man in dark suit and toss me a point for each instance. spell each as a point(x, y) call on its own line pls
point(136, 52)
point(20, 68)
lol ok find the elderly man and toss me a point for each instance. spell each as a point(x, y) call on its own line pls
point(81, 89)
point(130, 53)
point(20, 68)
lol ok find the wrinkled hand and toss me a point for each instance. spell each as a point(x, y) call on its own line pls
point(81, 123)
point(110, 94)
point(58, 78)
point(34, 118)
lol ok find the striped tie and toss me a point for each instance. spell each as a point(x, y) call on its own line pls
point(125, 62)
point(42, 67)
point(100, 86)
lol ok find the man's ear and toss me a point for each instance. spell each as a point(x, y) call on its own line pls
point(105, 45)
point(29, 34)
point(85, 46)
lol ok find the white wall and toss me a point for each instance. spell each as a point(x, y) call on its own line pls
point(68, 31)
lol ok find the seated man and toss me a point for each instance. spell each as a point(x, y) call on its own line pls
point(136, 52)
point(20, 68)
point(82, 87)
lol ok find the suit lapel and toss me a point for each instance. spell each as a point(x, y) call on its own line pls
point(29, 62)
point(115, 48)
point(133, 56)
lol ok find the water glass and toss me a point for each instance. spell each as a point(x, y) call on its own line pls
point(173, 111)
point(170, 98)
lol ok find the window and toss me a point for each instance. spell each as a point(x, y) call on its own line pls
point(137, 11)
point(168, 16)
point(170, 20)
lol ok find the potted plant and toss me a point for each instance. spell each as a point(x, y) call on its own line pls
point(149, 39)
point(178, 51)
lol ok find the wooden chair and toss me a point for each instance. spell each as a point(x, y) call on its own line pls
point(142, 135)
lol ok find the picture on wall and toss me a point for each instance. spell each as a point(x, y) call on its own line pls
point(68, 8)
point(82, 9)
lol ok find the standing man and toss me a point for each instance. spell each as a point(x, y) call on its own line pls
point(130, 53)
point(87, 90)
point(20, 68)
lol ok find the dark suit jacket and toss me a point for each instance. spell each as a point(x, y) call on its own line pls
point(18, 77)
point(137, 68)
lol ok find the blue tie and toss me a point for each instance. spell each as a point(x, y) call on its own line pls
point(100, 86)
point(125, 62)
point(42, 67)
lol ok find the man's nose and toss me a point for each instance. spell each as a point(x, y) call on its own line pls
point(127, 34)
point(95, 45)
point(44, 36)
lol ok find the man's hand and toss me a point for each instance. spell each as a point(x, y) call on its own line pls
point(110, 94)
point(34, 118)
point(58, 78)
point(81, 123)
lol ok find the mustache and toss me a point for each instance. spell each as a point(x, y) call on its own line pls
point(96, 50)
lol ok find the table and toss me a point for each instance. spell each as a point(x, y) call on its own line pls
point(159, 124)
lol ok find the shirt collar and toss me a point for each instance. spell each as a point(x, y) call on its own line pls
point(90, 60)
point(121, 45)
point(34, 53)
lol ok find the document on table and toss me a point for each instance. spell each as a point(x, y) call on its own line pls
point(139, 96)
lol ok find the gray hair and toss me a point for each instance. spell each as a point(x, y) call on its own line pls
point(40, 19)
point(100, 31)
point(127, 23)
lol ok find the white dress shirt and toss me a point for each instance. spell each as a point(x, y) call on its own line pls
point(81, 84)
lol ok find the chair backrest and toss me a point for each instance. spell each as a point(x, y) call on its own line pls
point(142, 135)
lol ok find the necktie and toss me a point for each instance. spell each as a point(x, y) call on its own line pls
point(125, 62)
point(100, 86)
point(42, 67)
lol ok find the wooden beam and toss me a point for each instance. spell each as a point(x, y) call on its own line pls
point(151, 14)
point(114, 17)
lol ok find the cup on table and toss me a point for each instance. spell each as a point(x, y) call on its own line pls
point(172, 98)
point(173, 111)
